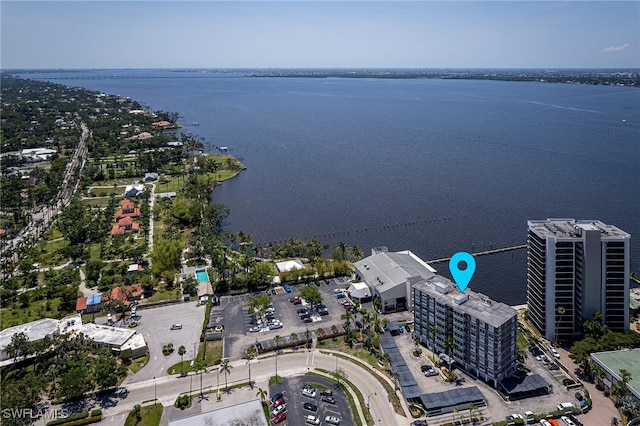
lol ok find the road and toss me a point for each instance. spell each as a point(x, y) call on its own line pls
point(167, 389)
point(43, 218)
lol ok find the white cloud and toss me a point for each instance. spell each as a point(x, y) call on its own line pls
point(617, 48)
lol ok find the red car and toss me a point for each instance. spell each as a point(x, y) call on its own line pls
point(278, 402)
point(279, 417)
point(324, 333)
point(348, 307)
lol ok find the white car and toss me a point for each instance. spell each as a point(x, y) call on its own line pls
point(543, 422)
point(555, 353)
point(311, 393)
point(312, 420)
point(567, 421)
point(332, 420)
point(279, 409)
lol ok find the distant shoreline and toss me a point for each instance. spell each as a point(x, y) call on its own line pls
point(625, 77)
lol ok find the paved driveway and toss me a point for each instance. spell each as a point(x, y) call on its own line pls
point(155, 324)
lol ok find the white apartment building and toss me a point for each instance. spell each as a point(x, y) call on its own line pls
point(576, 268)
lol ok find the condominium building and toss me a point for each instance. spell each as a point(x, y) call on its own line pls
point(576, 268)
point(478, 333)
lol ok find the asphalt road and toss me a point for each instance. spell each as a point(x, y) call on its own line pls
point(167, 389)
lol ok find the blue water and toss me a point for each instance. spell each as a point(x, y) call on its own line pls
point(433, 166)
point(202, 276)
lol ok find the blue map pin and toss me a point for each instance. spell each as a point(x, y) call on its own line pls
point(462, 276)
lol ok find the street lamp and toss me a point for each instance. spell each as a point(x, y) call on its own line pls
point(155, 391)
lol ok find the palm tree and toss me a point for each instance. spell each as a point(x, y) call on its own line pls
point(560, 310)
point(181, 351)
point(262, 394)
point(293, 337)
point(277, 339)
point(451, 346)
point(471, 409)
point(249, 357)
point(453, 415)
point(356, 253)
point(225, 367)
point(433, 330)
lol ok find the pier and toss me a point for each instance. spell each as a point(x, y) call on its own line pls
point(481, 253)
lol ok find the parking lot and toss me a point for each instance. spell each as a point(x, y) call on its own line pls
point(155, 325)
point(291, 389)
point(238, 324)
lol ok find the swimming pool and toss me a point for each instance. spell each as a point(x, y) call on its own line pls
point(202, 276)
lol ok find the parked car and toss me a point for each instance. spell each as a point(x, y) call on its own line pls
point(276, 397)
point(431, 372)
point(279, 409)
point(255, 329)
point(332, 420)
point(275, 326)
point(326, 392)
point(419, 423)
point(568, 382)
point(555, 352)
point(279, 417)
point(579, 396)
point(565, 406)
point(329, 399)
point(406, 327)
point(287, 288)
point(312, 420)
point(309, 406)
point(311, 393)
point(176, 327)
point(567, 421)
point(307, 320)
point(278, 401)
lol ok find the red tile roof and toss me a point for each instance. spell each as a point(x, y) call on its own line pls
point(81, 304)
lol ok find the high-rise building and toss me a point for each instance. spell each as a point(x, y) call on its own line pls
point(478, 334)
point(576, 268)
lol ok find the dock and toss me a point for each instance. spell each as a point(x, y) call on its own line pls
point(481, 253)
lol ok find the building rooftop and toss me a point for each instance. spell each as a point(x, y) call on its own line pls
point(476, 305)
point(572, 228)
point(114, 336)
point(385, 270)
point(248, 413)
point(627, 359)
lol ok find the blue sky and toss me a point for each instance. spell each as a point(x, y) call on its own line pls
point(295, 34)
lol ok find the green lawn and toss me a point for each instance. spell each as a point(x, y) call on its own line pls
point(163, 295)
point(36, 310)
point(151, 415)
point(137, 364)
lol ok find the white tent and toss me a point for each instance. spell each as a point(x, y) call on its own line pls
point(290, 265)
point(359, 291)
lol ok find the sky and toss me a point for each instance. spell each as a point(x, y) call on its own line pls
point(319, 34)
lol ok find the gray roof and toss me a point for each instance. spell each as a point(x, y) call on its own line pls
point(385, 270)
point(113, 336)
point(514, 385)
point(459, 398)
point(248, 413)
point(477, 305)
point(34, 330)
point(407, 382)
point(565, 228)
